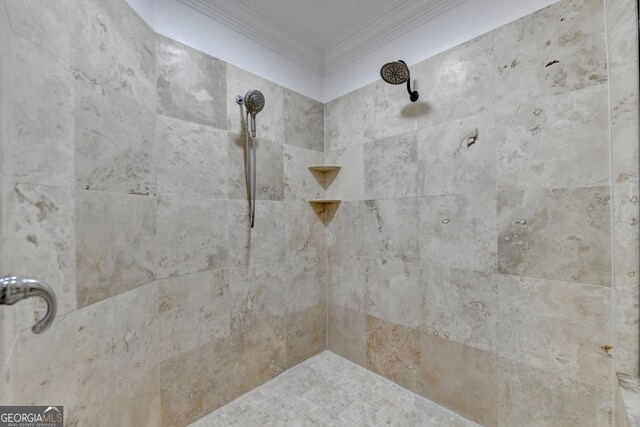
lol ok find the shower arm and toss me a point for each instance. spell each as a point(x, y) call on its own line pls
point(413, 95)
point(16, 288)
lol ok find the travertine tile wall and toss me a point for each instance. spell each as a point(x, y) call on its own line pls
point(123, 187)
point(486, 231)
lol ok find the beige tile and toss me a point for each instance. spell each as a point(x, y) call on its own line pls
point(99, 362)
point(393, 292)
point(459, 231)
point(529, 398)
point(347, 334)
point(457, 83)
point(304, 230)
point(256, 294)
point(626, 245)
point(115, 244)
point(556, 142)
point(460, 305)
point(458, 156)
point(391, 229)
point(462, 378)
point(195, 383)
point(305, 281)
point(191, 159)
point(393, 351)
point(559, 234)
point(306, 334)
point(299, 182)
point(191, 85)
point(348, 184)
point(345, 231)
point(303, 121)
point(39, 225)
point(557, 327)
point(193, 310)
point(556, 50)
point(192, 235)
point(258, 354)
point(348, 279)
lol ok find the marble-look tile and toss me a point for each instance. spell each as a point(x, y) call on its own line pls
point(373, 112)
point(556, 142)
point(557, 327)
point(265, 241)
point(459, 231)
point(560, 234)
point(533, 398)
point(348, 184)
point(191, 85)
point(624, 97)
point(391, 229)
point(192, 236)
point(393, 351)
point(303, 121)
point(348, 277)
point(345, 231)
point(116, 50)
point(617, 11)
point(50, 25)
point(270, 121)
point(299, 182)
point(462, 378)
point(626, 247)
point(99, 362)
point(195, 383)
point(270, 181)
point(391, 167)
point(191, 160)
point(256, 294)
point(556, 50)
point(304, 230)
point(306, 279)
point(457, 83)
point(114, 142)
point(115, 244)
point(393, 292)
point(192, 311)
point(627, 401)
point(40, 242)
point(38, 135)
point(460, 305)
point(259, 354)
point(347, 333)
point(306, 334)
point(458, 157)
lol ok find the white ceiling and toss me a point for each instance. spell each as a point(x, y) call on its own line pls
point(323, 35)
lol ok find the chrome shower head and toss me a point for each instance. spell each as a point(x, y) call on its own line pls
point(395, 73)
point(254, 101)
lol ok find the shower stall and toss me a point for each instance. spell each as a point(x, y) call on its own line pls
point(184, 241)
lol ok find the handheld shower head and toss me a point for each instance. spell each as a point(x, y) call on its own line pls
point(254, 103)
point(397, 73)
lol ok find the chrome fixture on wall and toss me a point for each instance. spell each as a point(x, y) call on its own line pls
point(396, 73)
point(17, 288)
point(253, 103)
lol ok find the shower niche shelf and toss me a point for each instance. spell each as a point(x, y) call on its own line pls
point(324, 201)
point(324, 169)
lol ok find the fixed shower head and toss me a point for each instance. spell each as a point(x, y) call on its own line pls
point(397, 73)
point(254, 101)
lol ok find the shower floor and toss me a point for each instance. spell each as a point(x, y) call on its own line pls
point(328, 390)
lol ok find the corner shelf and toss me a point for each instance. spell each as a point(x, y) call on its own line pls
point(324, 169)
point(324, 201)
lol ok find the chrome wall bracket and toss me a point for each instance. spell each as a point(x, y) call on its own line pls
point(17, 288)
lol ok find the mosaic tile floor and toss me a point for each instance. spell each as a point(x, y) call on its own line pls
point(328, 390)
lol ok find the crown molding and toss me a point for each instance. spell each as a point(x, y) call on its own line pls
point(260, 28)
point(395, 20)
point(399, 18)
